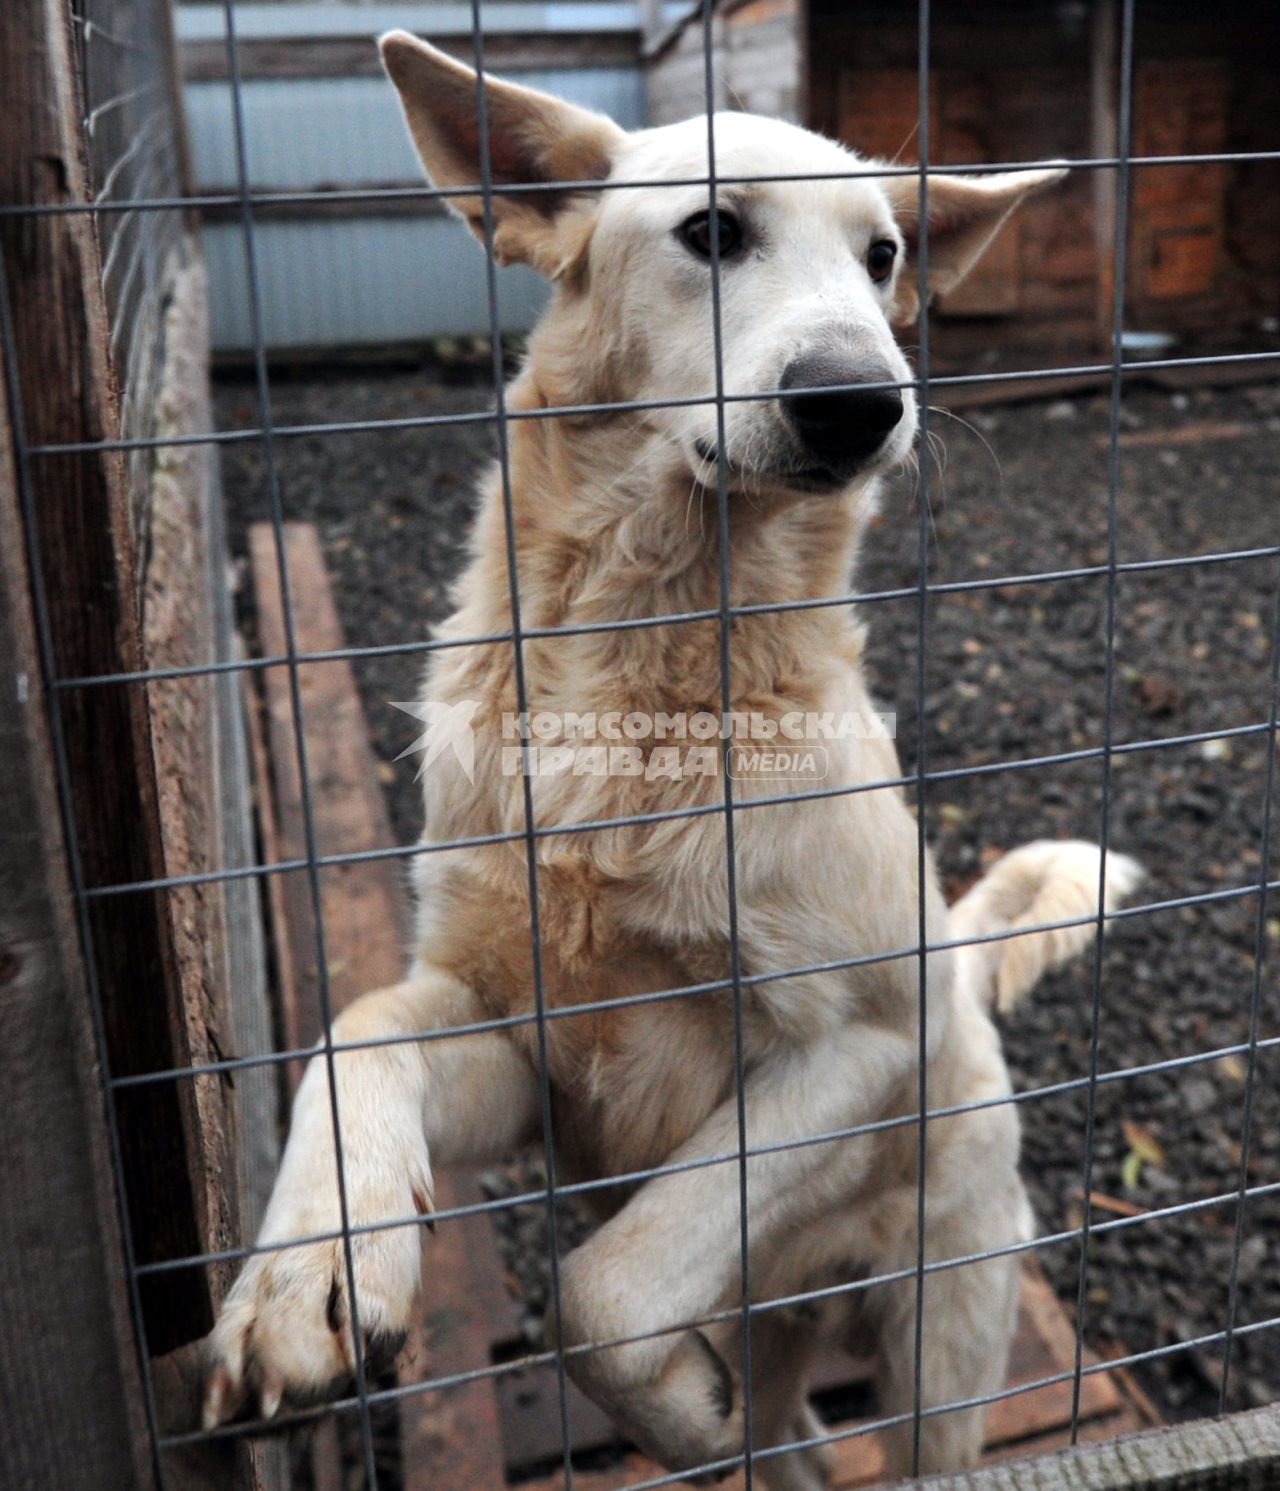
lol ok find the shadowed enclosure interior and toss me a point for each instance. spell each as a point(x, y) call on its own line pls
point(158, 872)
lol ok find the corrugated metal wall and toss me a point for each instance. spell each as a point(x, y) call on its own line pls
point(365, 279)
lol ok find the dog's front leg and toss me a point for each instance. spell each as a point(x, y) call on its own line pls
point(285, 1331)
point(671, 1256)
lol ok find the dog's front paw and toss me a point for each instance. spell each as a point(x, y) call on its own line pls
point(696, 1411)
point(285, 1334)
point(670, 1389)
point(687, 1414)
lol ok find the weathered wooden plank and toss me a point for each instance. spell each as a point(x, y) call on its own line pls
point(1199, 432)
point(364, 933)
point(860, 1462)
point(529, 1406)
point(70, 1392)
point(131, 580)
point(363, 904)
point(450, 1439)
point(89, 558)
point(357, 57)
point(1092, 1431)
point(326, 1460)
point(326, 207)
point(859, 1471)
point(214, 1464)
point(284, 978)
point(204, 800)
point(181, 575)
point(257, 1089)
point(978, 395)
point(1239, 1453)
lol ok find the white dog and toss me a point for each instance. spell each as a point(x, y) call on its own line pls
point(812, 275)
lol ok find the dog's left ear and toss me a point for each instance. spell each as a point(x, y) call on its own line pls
point(965, 214)
point(534, 140)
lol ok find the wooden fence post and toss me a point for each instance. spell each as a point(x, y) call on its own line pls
point(71, 1396)
point(1238, 1453)
point(129, 555)
point(69, 393)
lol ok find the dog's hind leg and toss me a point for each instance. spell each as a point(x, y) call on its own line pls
point(284, 1334)
point(784, 1344)
point(970, 1314)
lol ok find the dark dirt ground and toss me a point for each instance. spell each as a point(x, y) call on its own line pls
point(1014, 672)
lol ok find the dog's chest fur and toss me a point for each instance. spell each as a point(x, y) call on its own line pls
point(630, 911)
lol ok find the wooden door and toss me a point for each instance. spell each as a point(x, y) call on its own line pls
point(1178, 212)
point(878, 114)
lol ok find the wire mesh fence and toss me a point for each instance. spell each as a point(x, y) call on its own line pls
point(139, 203)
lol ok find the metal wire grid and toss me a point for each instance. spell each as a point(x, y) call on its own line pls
point(124, 176)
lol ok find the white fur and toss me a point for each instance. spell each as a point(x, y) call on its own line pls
point(610, 526)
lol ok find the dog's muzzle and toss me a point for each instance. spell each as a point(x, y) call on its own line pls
point(841, 422)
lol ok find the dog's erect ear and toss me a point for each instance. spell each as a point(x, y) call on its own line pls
point(965, 214)
point(534, 140)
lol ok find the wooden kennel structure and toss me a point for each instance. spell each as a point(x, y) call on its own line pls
point(1026, 81)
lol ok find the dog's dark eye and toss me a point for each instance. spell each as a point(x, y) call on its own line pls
point(880, 258)
point(695, 233)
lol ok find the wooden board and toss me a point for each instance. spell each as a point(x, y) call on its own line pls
point(1179, 212)
point(205, 804)
point(1238, 1453)
point(73, 1395)
point(364, 908)
point(357, 57)
point(878, 116)
point(131, 576)
point(92, 571)
point(449, 1437)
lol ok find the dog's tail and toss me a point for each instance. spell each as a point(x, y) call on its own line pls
point(1038, 885)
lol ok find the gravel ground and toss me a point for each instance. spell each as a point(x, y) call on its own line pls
point(1014, 672)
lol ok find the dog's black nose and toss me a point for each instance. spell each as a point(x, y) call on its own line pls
point(841, 421)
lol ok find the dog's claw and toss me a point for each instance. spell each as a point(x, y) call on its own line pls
point(270, 1398)
point(722, 1384)
point(285, 1336)
point(424, 1202)
point(217, 1391)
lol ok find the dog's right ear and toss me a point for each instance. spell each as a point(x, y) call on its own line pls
point(965, 214)
point(534, 140)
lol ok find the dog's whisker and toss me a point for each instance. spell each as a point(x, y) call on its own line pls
point(973, 430)
point(938, 453)
point(733, 94)
point(919, 490)
point(688, 507)
point(911, 134)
